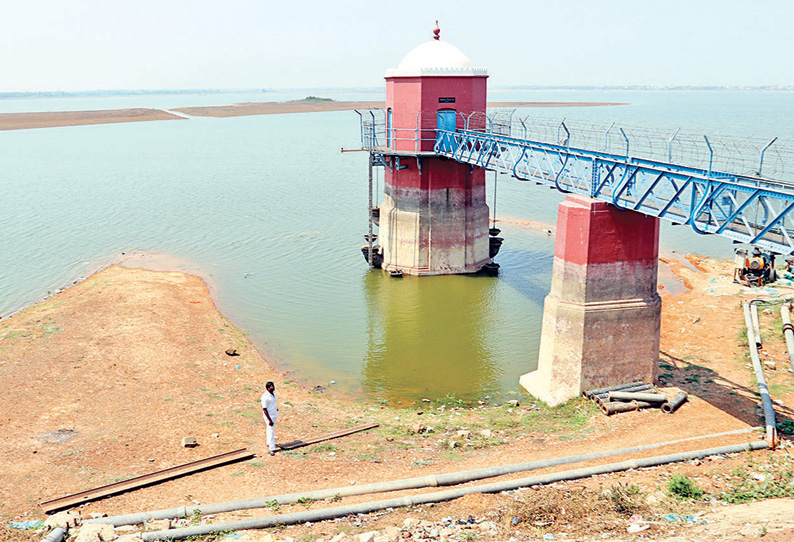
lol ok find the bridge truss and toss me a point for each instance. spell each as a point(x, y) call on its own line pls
point(747, 209)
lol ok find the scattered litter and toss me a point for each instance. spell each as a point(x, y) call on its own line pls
point(548, 536)
point(233, 536)
point(636, 527)
point(28, 524)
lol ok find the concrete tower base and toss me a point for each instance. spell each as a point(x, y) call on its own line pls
point(434, 220)
point(602, 317)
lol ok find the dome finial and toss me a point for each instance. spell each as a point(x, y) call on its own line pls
point(436, 31)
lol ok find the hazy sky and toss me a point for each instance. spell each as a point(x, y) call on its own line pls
point(169, 44)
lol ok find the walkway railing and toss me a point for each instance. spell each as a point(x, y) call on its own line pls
point(714, 186)
point(745, 209)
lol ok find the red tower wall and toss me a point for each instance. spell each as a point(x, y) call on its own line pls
point(434, 219)
point(408, 96)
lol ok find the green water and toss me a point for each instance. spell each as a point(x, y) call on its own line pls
point(270, 211)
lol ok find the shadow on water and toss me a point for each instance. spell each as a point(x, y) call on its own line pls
point(428, 337)
point(453, 336)
point(528, 272)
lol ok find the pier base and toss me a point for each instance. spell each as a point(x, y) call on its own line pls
point(434, 219)
point(602, 317)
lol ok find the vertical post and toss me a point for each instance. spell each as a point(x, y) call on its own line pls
point(627, 141)
point(369, 212)
point(711, 156)
point(761, 163)
point(495, 177)
point(606, 136)
point(670, 144)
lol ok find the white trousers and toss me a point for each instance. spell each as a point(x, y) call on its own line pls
point(271, 436)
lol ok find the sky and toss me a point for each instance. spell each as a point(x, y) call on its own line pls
point(283, 44)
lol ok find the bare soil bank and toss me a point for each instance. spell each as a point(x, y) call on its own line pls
point(101, 382)
point(24, 121)
point(50, 119)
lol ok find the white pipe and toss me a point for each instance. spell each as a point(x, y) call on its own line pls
point(56, 535)
point(788, 332)
point(441, 496)
point(756, 325)
point(766, 400)
point(395, 485)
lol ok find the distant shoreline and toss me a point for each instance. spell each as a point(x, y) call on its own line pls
point(51, 119)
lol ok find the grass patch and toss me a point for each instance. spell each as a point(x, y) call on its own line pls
point(626, 499)
point(324, 447)
point(570, 416)
point(683, 488)
point(293, 453)
point(776, 482)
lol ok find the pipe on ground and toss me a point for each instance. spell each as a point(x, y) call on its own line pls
point(589, 393)
point(56, 535)
point(441, 496)
point(788, 332)
point(756, 324)
point(677, 401)
point(395, 485)
point(605, 395)
point(638, 396)
point(766, 400)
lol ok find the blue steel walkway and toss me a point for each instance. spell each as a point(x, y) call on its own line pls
point(747, 209)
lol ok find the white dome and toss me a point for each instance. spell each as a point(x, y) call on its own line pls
point(435, 57)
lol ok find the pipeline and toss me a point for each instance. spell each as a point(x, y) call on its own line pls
point(619, 406)
point(601, 396)
point(395, 485)
point(590, 393)
point(677, 401)
point(56, 535)
point(638, 396)
point(766, 400)
point(756, 324)
point(788, 331)
point(441, 496)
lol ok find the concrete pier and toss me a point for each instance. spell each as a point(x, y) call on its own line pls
point(434, 222)
point(602, 317)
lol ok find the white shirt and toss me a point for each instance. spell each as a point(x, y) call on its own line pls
point(269, 403)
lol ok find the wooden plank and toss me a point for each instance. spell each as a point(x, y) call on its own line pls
point(145, 480)
point(343, 433)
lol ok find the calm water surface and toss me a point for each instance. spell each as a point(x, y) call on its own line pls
point(270, 210)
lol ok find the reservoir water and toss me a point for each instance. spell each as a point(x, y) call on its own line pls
point(273, 214)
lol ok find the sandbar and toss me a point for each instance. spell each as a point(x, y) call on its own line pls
point(51, 119)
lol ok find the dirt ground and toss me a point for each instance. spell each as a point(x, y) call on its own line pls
point(103, 380)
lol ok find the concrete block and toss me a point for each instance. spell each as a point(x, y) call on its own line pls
point(96, 532)
point(189, 442)
point(602, 317)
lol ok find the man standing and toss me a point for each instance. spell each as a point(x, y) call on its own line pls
point(270, 410)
